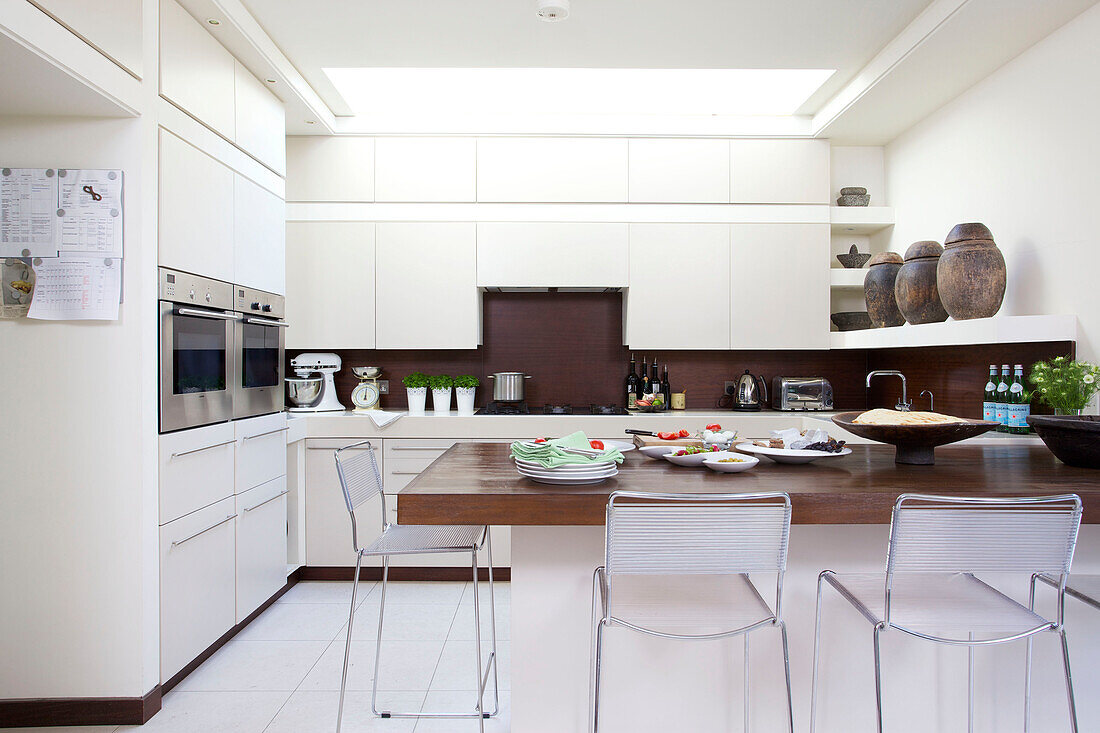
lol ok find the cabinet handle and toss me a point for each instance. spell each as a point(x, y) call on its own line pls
point(420, 447)
point(203, 531)
point(269, 432)
point(284, 492)
point(200, 450)
point(330, 450)
point(404, 473)
point(266, 322)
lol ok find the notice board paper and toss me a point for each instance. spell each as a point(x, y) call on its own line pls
point(28, 212)
point(89, 211)
point(71, 288)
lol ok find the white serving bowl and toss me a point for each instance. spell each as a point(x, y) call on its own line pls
point(656, 451)
point(744, 463)
point(695, 459)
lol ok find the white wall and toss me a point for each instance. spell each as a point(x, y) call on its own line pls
point(1019, 152)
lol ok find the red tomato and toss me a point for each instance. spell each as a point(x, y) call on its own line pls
point(684, 433)
point(596, 444)
point(714, 426)
point(668, 436)
point(540, 440)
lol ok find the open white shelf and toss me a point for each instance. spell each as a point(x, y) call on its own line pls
point(860, 219)
point(996, 330)
point(848, 279)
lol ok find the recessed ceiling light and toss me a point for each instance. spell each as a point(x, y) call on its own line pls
point(270, 81)
point(311, 122)
point(213, 21)
point(552, 11)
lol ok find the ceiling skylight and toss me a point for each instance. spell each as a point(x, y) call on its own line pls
point(504, 92)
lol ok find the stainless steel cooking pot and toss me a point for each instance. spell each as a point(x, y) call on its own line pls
point(508, 386)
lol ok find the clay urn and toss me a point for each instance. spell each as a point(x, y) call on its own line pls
point(971, 274)
point(878, 290)
point(915, 288)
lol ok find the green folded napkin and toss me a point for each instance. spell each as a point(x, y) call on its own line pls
point(551, 455)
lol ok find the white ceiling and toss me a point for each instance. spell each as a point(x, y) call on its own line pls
point(703, 34)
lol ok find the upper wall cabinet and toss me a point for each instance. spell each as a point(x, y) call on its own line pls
point(196, 73)
point(425, 169)
point(259, 222)
point(779, 171)
point(195, 216)
point(558, 254)
point(679, 171)
point(260, 120)
point(330, 168)
point(686, 306)
point(551, 169)
point(426, 291)
point(780, 286)
point(113, 28)
point(330, 285)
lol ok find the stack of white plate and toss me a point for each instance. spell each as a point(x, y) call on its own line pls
point(569, 474)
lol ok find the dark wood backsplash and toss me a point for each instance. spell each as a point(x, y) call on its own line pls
point(571, 344)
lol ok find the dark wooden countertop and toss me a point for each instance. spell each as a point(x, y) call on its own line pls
point(476, 483)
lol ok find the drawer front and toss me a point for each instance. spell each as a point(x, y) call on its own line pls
point(261, 544)
point(328, 527)
point(197, 584)
point(405, 459)
point(261, 450)
point(196, 469)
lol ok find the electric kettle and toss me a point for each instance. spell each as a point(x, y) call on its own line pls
point(751, 392)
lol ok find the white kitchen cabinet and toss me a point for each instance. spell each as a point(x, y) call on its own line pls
point(197, 587)
point(330, 168)
point(196, 72)
point(195, 212)
point(686, 171)
point(261, 544)
point(261, 450)
point(425, 169)
point(328, 528)
point(259, 120)
point(330, 296)
point(780, 286)
point(113, 28)
point(552, 254)
point(551, 169)
point(259, 246)
point(196, 469)
point(426, 286)
point(779, 171)
point(679, 295)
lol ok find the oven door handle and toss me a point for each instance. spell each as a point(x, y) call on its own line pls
point(265, 322)
point(206, 314)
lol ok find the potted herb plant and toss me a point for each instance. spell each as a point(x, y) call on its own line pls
point(1066, 385)
point(465, 387)
point(416, 387)
point(441, 393)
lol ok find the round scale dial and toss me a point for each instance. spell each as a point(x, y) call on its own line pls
point(365, 395)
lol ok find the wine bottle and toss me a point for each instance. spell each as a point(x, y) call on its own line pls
point(631, 384)
point(989, 404)
point(1002, 399)
point(1019, 407)
point(654, 379)
point(666, 388)
point(643, 380)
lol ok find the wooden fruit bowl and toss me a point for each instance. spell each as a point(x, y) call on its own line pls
point(915, 444)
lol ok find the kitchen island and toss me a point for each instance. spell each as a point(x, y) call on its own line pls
point(841, 509)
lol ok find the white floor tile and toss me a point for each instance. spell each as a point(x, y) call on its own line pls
point(503, 593)
point(404, 621)
point(326, 591)
point(499, 723)
point(64, 729)
point(456, 666)
point(406, 665)
point(463, 626)
point(256, 665)
point(407, 591)
point(224, 712)
point(315, 712)
point(297, 622)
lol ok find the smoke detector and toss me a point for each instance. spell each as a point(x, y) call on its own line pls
point(552, 10)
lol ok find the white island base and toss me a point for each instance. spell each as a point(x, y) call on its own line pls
point(656, 685)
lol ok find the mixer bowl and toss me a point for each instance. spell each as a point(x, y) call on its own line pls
point(366, 372)
point(304, 391)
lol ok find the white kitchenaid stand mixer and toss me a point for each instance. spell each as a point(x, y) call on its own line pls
point(327, 364)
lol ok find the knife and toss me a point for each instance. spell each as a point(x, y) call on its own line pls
point(631, 431)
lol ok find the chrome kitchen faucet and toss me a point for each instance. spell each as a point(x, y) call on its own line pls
point(905, 404)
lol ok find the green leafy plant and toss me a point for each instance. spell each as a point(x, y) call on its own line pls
point(416, 380)
point(1065, 384)
point(440, 381)
point(467, 381)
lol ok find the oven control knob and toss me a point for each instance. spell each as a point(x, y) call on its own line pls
point(266, 309)
point(255, 306)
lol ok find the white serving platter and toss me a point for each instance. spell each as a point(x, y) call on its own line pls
point(786, 455)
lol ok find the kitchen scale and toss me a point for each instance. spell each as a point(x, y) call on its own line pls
point(367, 393)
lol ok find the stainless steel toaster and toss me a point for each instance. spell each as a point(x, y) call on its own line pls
point(801, 393)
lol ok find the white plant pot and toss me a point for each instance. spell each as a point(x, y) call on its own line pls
point(441, 401)
point(417, 397)
point(465, 398)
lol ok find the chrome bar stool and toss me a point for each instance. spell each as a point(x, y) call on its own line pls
point(360, 482)
point(677, 567)
point(1085, 588)
point(930, 589)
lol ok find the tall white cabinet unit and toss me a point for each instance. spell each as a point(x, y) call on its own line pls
point(549, 170)
point(426, 286)
point(679, 171)
point(779, 171)
point(259, 236)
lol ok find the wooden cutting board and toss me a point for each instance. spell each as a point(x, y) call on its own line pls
point(646, 440)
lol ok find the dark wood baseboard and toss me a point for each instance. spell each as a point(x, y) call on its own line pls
point(401, 573)
point(49, 711)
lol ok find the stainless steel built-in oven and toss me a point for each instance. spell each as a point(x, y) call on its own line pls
point(196, 350)
point(258, 362)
